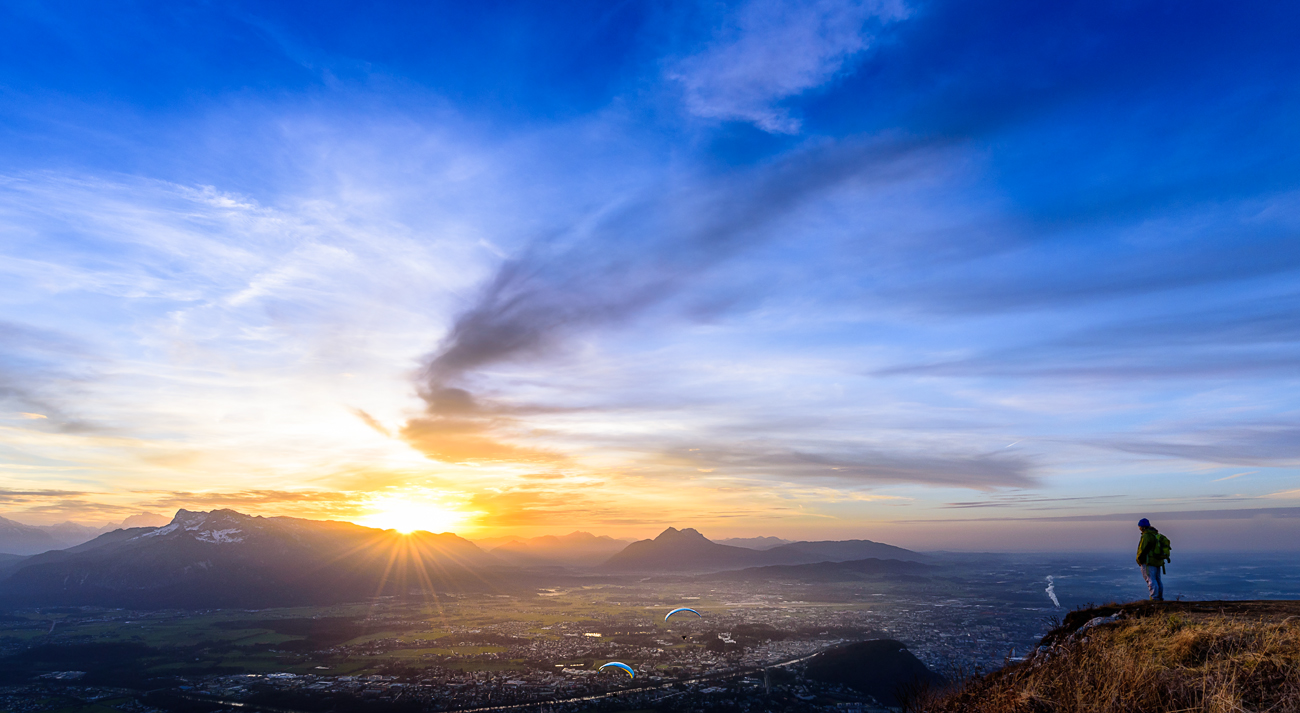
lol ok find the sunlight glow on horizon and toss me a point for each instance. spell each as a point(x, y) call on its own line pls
point(411, 514)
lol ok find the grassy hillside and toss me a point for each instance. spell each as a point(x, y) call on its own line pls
point(1148, 658)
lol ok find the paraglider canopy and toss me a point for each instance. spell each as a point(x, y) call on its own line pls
point(682, 609)
point(620, 666)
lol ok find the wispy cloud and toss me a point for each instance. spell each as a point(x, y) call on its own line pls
point(1258, 444)
point(618, 262)
point(770, 50)
point(1028, 502)
point(373, 422)
point(856, 468)
point(1284, 513)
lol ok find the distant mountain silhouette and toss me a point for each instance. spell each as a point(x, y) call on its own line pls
point(688, 551)
point(754, 543)
point(145, 519)
point(838, 551)
point(850, 571)
point(19, 539)
point(578, 549)
point(72, 533)
point(226, 559)
point(681, 551)
point(882, 668)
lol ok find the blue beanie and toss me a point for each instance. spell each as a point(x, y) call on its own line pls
point(1144, 522)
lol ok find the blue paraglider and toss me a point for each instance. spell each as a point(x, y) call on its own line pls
point(682, 609)
point(620, 666)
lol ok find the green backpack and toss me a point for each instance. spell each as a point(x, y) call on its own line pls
point(1163, 551)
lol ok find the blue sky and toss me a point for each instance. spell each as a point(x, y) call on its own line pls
point(948, 275)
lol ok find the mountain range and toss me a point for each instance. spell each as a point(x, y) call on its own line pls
point(17, 538)
point(688, 551)
point(224, 558)
point(576, 549)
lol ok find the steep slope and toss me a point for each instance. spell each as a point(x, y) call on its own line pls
point(1150, 657)
point(108, 538)
point(19, 539)
point(576, 549)
point(104, 540)
point(680, 551)
point(224, 558)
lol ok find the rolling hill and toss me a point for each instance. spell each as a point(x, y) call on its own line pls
point(838, 551)
point(754, 543)
point(881, 668)
point(576, 549)
point(689, 551)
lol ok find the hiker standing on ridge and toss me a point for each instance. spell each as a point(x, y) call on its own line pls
point(1151, 557)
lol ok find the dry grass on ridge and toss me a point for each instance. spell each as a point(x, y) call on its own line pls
point(1175, 657)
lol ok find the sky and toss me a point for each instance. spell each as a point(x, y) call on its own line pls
point(1000, 276)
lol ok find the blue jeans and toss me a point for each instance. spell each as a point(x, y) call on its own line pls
point(1154, 585)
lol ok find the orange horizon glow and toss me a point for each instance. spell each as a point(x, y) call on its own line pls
point(412, 513)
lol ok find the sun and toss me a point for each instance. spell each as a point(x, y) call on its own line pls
point(406, 515)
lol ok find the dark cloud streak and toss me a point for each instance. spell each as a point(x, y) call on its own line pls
point(1253, 445)
point(1156, 517)
point(857, 467)
point(612, 267)
point(1226, 340)
point(644, 253)
point(1018, 502)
